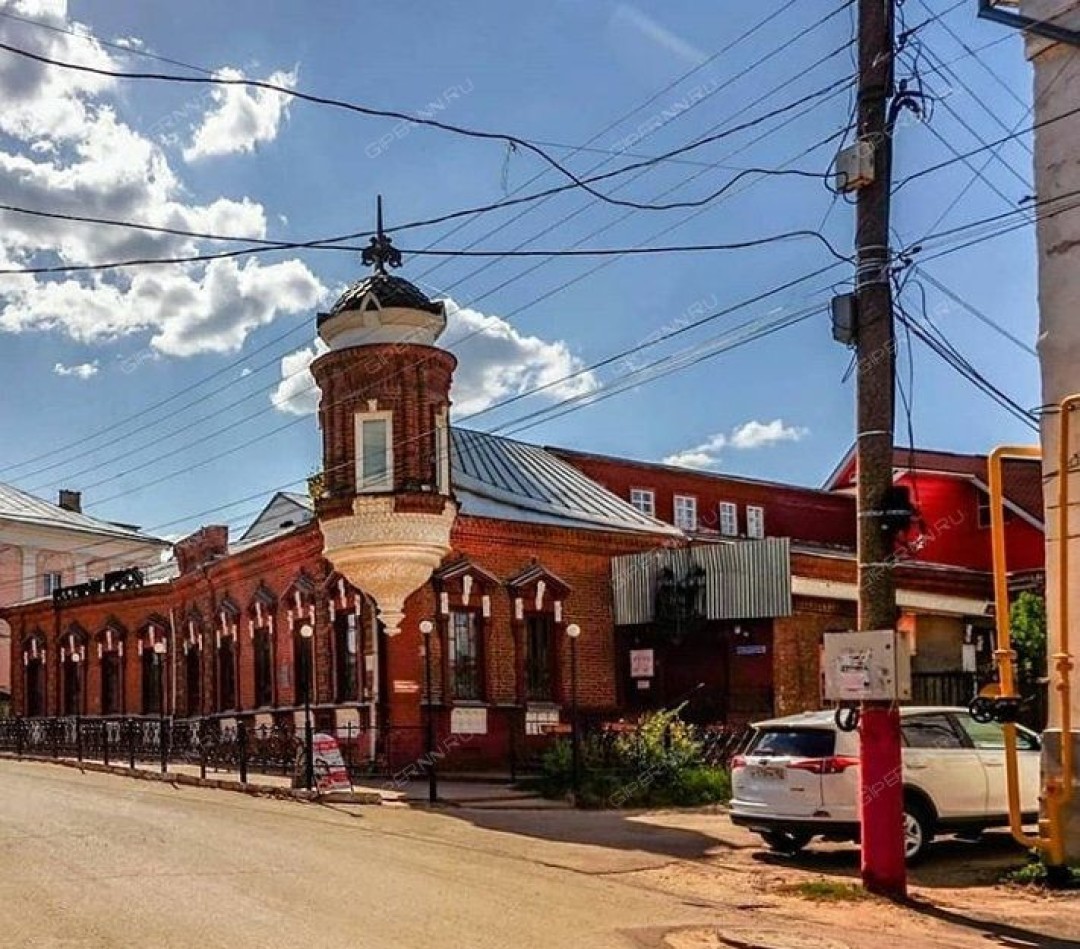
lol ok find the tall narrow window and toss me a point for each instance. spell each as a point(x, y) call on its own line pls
point(264, 668)
point(302, 660)
point(755, 521)
point(111, 682)
point(729, 519)
point(226, 661)
point(466, 669)
point(442, 452)
point(193, 680)
point(346, 651)
point(72, 679)
point(685, 512)
point(153, 679)
point(35, 686)
point(539, 658)
point(374, 452)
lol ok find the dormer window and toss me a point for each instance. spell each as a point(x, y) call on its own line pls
point(374, 452)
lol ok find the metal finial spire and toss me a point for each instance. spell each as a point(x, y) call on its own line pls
point(381, 252)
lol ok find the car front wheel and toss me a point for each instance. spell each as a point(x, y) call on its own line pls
point(785, 841)
point(918, 831)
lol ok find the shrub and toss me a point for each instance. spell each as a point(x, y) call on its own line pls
point(656, 764)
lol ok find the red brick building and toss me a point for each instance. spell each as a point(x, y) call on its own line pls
point(501, 546)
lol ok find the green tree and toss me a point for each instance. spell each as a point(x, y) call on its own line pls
point(1027, 623)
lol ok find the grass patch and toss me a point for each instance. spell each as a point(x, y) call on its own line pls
point(825, 891)
point(1038, 875)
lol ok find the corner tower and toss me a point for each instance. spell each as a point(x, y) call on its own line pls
point(386, 507)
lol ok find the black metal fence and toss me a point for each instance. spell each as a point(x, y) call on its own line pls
point(211, 744)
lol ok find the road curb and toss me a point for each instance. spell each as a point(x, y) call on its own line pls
point(218, 784)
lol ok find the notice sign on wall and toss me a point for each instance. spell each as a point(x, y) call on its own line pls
point(468, 721)
point(641, 663)
point(406, 685)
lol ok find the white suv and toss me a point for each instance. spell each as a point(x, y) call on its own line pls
point(798, 778)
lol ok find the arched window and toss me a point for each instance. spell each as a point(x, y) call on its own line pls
point(153, 666)
point(465, 592)
point(350, 623)
point(299, 605)
point(34, 679)
point(537, 598)
point(261, 633)
point(193, 652)
point(110, 655)
point(73, 670)
point(226, 642)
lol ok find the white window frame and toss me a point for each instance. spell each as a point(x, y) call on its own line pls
point(689, 502)
point(727, 513)
point(52, 580)
point(644, 499)
point(387, 484)
point(755, 521)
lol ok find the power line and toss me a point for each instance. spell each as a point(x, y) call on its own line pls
point(217, 80)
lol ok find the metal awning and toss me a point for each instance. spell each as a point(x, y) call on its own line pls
point(749, 579)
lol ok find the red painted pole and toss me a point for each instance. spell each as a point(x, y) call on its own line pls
point(881, 801)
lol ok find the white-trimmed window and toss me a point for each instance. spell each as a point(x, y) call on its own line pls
point(374, 451)
point(686, 512)
point(729, 519)
point(52, 581)
point(644, 499)
point(755, 521)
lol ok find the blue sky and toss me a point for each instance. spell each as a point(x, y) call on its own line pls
point(85, 360)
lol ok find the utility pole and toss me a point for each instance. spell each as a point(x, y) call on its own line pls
point(881, 795)
point(1053, 46)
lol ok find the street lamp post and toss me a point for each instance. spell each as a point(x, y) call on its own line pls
point(427, 628)
point(160, 648)
point(307, 633)
point(76, 658)
point(573, 631)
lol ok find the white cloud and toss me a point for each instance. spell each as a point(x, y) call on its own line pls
point(240, 117)
point(705, 455)
point(83, 370)
point(495, 361)
point(749, 435)
point(64, 147)
point(755, 434)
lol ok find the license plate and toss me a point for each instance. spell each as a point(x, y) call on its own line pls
point(768, 772)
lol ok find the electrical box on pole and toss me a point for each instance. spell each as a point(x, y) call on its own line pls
point(855, 167)
point(867, 666)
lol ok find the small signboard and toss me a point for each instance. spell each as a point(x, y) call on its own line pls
point(751, 650)
point(406, 685)
point(330, 771)
point(468, 721)
point(538, 721)
point(641, 663)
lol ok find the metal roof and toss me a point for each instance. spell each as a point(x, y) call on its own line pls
point(500, 477)
point(22, 508)
point(378, 291)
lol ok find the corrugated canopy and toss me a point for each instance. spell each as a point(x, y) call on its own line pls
point(748, 579)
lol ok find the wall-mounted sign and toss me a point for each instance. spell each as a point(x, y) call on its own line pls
point(752, 649)
point(468, 721)
point(641, 663)
point(540, 721)
point(409, 686)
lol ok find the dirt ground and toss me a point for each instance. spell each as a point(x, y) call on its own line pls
point(955, 897)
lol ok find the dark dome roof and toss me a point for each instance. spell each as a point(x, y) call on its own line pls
point(389, 291)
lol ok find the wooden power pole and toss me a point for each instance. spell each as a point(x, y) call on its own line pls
point(881, 795)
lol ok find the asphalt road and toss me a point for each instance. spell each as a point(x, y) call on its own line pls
point(90, 861)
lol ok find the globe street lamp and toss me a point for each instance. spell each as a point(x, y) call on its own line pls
point(307, 633)
point(160, 648)
point(426, 629)
point(573, 631)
